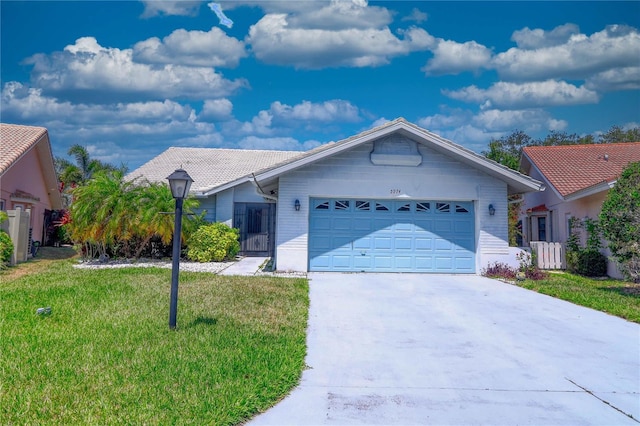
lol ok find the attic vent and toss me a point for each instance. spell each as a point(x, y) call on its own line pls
point(396, 151)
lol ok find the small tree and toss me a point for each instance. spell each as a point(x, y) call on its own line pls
point(620, 221)
point(6, 245)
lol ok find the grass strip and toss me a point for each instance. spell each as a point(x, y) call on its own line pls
point(106, 355)
point(619, 298)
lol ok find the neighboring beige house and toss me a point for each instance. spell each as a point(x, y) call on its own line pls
point(28, 180)
point(577, 178)
point(396, 198)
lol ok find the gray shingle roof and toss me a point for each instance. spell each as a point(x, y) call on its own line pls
point(210, 167)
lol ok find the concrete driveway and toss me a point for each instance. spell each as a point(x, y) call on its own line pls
point(402, 349)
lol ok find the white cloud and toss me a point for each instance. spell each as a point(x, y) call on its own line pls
point(110, 74)
point(260, 124)
point(170, 7)
point(455, 118)
point(216, 109)
point(274, 41)
point(627, 78)
point(538, 38)
point(581, 56)
point(277, 143)
point(450, 57)
point(339, 15)
point(528, 120)
point(193, 48)
point(416, 15)
point(312, 116)
point(474, 131)
point(518, 95)
point(379, 122)
point(328, 111)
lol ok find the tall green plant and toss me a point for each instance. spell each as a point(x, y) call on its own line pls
point(6, 245)
point(620, 219)
point(112, 214)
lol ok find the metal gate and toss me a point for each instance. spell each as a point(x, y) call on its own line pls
point(257, 224)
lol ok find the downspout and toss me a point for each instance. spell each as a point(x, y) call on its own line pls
point(260, 191)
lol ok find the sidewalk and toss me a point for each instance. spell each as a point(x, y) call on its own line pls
point(245, 266)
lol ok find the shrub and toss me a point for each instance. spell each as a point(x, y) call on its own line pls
point(591, 263)
point(620, 220)
point(213, 243)
point(500, 270)
point(6, 249)
point(529, 266)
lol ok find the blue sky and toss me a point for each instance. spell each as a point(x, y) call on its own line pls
point(127, 79)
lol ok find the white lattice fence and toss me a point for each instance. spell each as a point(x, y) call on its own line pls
point(549, 255)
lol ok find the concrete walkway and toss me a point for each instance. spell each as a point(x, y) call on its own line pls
point(406, 349)
point(245, 266)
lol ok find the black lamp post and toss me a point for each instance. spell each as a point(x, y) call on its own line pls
point(180, 182)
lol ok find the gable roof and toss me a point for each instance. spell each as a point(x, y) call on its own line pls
point(575, 171)
point(214, 170)
point(210, 168)
point(16, 141)
point(516, 181)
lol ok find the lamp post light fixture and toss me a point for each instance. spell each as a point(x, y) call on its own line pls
point(492, 210)
point(180, 183)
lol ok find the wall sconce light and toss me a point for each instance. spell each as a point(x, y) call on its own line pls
point(492, 210)
point(296, 205)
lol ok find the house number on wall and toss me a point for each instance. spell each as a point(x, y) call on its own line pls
point(395, 191)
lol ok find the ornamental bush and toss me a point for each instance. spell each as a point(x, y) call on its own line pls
point(213, 243)
point(591, 263)
point(6, 245)
point(6, 249)
point(620, 221)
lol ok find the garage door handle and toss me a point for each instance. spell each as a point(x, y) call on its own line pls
point(362, 253)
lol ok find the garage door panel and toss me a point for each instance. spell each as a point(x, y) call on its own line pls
point(321, 224)
point(465, 264)
point(443, 263)
point(424, 263)
point(362, 263)
point(388, 236)
point(363, 224)
point(403, 227)
point(424, 243)
point(404, 263)
point(443, 245)
point(403, 243)
point(383, 262)
point(443, 225)
point(364, 243)
point(342, 261)
point(342, 224)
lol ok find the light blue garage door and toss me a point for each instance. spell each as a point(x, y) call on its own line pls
point(391, 236)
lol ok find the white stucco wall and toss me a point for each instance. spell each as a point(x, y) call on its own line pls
point(351, 175)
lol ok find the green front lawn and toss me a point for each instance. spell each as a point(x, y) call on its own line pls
point(619, 298)
point(106, 355)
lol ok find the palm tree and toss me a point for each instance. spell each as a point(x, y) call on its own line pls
point(108, 211)
point(84, 168)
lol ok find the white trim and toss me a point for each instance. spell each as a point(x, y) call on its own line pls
point(595, 189)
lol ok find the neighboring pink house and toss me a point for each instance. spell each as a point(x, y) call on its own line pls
point(578, 178)
point(27, 174)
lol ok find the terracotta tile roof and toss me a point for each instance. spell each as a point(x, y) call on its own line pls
point(15, 141)
point(210, 167)
point(572, 168)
